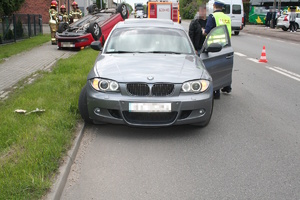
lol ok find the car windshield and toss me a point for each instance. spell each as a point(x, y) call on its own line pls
point(149, 40)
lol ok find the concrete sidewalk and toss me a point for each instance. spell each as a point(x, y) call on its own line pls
point(272, 32)
point(24, 64)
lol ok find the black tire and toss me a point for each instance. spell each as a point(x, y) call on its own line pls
point(82, 106)
point(62, 27)
point(236, 32)
point(204, 124)
point(95, 30)
point(122, 9)
point(284, 28)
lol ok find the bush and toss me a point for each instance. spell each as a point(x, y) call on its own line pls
point(19, 28)
point(9, 35)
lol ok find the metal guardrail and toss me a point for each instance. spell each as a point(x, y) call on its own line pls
point(19, 26)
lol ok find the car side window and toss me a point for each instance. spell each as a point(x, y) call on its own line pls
point(218, 35)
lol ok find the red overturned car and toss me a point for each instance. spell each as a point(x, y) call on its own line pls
point(93, 27)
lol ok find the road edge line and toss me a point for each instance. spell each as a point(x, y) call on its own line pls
point(64, 170)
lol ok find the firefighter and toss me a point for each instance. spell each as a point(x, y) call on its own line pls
point(53, 21)
point(76, 13)
point(63, 15)
point(218, 18)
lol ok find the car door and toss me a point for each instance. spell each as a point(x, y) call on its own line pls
point(218, 64)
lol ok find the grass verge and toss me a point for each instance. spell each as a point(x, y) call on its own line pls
point(24, 45)
point(31, 146)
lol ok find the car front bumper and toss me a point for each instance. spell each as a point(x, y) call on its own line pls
point(74, 40)
point(114, 108)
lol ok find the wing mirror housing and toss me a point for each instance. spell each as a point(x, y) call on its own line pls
point(213, 47)
point(96, 45)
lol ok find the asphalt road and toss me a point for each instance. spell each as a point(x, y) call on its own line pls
point(250, 149)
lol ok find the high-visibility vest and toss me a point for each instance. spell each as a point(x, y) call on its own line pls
point(222, 19)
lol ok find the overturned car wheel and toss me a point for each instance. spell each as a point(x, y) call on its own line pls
point(122, 9)
point(95, 30)
point(62, 27)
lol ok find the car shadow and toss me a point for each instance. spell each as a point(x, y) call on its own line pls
point(123, 131)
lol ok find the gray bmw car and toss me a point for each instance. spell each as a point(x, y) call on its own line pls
point(148, 74)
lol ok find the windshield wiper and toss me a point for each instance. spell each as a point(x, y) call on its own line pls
point(125, 52)
point(166, 52)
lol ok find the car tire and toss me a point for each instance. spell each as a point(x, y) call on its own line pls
point(122, 9)
point(62, 27)
point(82, 106)
point(236, 32)
point(95, 30)
point(284, 28)
point(204, 124)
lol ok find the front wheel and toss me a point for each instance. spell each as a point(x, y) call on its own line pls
point(236, 32)
point(82, 106)
point(284, 28)
point(95, 30)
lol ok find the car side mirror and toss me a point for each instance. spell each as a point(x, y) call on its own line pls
point(213, 47)
point(96, 45)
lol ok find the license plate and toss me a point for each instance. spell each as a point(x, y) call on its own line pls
point(149, 107)
point(67, 44)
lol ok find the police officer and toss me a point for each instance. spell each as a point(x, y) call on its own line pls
point(75, 13)
point(63, 15)
point(218, 18)
point(53, 21)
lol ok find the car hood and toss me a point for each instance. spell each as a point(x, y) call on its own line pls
point(141, 67)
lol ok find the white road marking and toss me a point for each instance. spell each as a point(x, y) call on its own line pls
point(283, 73)
point(253, 60)
point(239, 54)
point(289, 72)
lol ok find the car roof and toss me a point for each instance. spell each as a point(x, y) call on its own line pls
point(163, 23)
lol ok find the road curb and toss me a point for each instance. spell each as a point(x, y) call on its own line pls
point(64, 170)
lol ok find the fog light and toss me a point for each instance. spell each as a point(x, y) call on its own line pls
point(97, 110)
point(202, 111)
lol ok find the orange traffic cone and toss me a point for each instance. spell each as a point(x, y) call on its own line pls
point(263, 57)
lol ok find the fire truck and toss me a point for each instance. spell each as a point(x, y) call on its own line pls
point(164, 10)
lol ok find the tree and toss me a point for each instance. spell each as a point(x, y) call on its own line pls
point(188, 8)
point(8, 7)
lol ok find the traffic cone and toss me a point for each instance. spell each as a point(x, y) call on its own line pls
point(263, 57)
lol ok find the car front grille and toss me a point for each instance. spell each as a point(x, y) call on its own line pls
point(138, 89)
point(162, 89)
point(143, 89)
point(149, 118)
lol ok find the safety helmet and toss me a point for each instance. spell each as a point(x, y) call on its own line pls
point(53, 4)
point(74, 3)
point(62, 7)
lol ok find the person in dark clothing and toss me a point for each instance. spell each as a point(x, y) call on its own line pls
point(268, 18)
point(195, 29)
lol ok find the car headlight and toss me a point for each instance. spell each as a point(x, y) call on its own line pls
point(196, 86)
point(104, 85)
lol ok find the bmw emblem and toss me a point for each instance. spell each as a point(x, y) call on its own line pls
point(150, 78)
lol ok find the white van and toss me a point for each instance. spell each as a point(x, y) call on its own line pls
point(234, 9)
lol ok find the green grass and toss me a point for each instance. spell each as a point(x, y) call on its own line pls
point(24, 45)
point(31, 146)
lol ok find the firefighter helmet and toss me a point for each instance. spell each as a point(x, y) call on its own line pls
point(53, 4)
point(74, 3)
point(62, 7)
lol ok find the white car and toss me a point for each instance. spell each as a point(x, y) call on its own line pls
point(283, 21)
point(139, 14)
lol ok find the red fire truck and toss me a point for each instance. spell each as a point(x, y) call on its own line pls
point(164, 10)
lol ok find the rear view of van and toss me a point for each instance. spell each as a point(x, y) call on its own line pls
point(235, 10)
